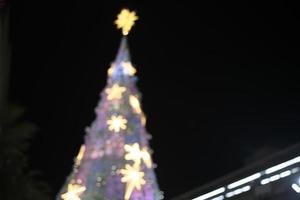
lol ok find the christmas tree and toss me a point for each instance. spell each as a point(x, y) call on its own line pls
point(115, 161)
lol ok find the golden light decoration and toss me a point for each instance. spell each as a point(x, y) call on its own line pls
point(74, 192)
point(137, 155)
point(133, 153)
point(110, 69)
point(116, 123)
point(135, 104)
point(133, 178)
point(80, 154)
point(125, 20)
point(129, 69)
point(115, 92)
point(143, 119)
point(146, 158)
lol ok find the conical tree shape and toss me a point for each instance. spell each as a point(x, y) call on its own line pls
point(115, 161)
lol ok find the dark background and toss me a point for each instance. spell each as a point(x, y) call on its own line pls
point(220, 80)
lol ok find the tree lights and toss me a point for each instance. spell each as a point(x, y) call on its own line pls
point(115, 163)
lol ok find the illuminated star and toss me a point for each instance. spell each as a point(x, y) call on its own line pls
point(134, 102)
point(125, 20)
point(129, 69)
point(133, 178)
point(115, 92)
point(135, 154)
point(74, 191)
point(116, 123)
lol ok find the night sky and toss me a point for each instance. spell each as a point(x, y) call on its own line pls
point(220, 81)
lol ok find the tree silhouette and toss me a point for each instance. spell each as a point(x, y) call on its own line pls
point(17, 181)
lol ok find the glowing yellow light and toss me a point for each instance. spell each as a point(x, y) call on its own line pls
point(143, 119)
point(115, 92)
point(80, 154)
point(129, 69)
point(135, 154)
point(134, 102)
point(74, 191)
point(116, 123)
point(125, 20)
point(133, 178)
point(146, 157)
point(110, 69)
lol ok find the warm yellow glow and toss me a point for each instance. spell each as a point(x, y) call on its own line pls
point(116, 123)
point(143, 119)
point(136, 154)
point(80, 154)
point(133, 153)
point(135, 104)
point(110, 69)
point(146, 157)
point(74, 191)
point(125, 20)
point(115, 92)
point(129, 69)
point(133, 178)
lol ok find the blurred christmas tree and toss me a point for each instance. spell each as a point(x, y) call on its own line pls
point(115, 161)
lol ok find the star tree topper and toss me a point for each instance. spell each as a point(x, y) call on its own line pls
point(125, 20)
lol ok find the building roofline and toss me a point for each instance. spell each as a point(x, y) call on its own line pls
point(258, 166)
